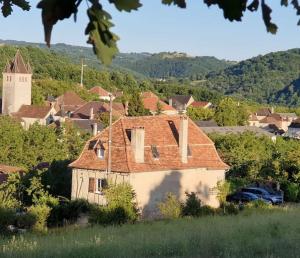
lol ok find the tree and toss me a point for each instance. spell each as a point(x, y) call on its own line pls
point(136, 106)
point(98, 29)
point(200, 113)
point(230, 113)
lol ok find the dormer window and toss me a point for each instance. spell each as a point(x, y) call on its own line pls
point(100, 151)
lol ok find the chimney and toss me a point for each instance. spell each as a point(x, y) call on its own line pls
point(138, 143)
point(272, 110)
point(91, 113)
point(170, 102)
point(95, 129)
point(126, 107)
point(183, 138)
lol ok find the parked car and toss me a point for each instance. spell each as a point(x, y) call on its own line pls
point(244, 197)
point(263, 193)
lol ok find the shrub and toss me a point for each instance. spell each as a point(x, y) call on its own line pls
point(207, 211)
point(122, 196)
point(258, 204)
point(230, 208)
point(108, 216)
point(25, 220)
point(292, 192)
point(171, 207)
point(68, 212)
point(7, 217)
point(192, 206)
point(41, 214)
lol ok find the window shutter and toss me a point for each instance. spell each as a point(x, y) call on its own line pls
point(91, 185)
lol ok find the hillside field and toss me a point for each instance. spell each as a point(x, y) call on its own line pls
point(268, 233)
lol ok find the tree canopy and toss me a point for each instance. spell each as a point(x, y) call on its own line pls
point(98, 29)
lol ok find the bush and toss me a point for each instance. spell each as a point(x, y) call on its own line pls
point(292, 192)
point(170, 208)
point(7, 217)
point(108, 216)
point(258, 204)
point(192, 206)
point(25, 220)
point(122, 196)
point(41, 214)
point(68, 212)
point(230, 208)
point(207, 211)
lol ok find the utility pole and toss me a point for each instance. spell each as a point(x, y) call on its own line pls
point(81, 77)
point(110, 134)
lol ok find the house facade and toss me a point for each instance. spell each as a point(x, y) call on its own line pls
point(156, 155)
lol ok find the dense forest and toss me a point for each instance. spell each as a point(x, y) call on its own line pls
point(261, 78)
point(272, 78)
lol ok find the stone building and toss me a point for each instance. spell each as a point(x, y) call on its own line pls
point(16, 85)
point(156, 155)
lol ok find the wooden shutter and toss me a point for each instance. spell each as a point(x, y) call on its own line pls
point(91, 185)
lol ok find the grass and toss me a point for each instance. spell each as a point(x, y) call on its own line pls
point(271, 233)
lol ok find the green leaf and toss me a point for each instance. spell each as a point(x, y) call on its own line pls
point(284, 2)
point(7, 6)
point(126, 5)
point(179, 3)
point(232, 9)
point(54, 10)
point(103, 40)
point(253, 6)
point(266, 12)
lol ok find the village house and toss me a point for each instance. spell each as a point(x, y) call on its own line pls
point(156, 155)
point(29, 114)
point(101, 93)
point(152, 103)
point(67, 103)
point(181, 102)
point(294, 129)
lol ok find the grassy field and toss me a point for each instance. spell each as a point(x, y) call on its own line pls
point(256, 234)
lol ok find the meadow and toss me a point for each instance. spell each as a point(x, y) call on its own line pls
point(268, 233)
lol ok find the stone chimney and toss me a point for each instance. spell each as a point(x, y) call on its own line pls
point(170, 102)
point(126, 107)
point(91, 113)
point(183, 138)
point(138, 143)
point(95, 129)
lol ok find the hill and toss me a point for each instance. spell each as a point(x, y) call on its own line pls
point(161, 65)
point(261, 78)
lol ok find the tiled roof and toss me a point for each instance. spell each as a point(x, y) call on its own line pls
point(264, 112)
point(84, 111)
point(99, 91)
point(17, 65)
point(9, 169)
point(200, 104)
point(85, 124)
point(295, 123)
point(70, 101)
point(30, 111)
point(208, 123)
point(236, 130)
point(272, 119)
point(181, 99)
point(161, 131)
point(150, 102)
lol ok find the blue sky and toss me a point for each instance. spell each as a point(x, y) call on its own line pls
point(197, 30)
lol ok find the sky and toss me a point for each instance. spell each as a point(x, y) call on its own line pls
point(196, 30)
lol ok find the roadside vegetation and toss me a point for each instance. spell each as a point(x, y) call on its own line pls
point(252, 233)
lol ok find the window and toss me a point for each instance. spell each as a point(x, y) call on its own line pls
point(91, 185)
point(100, 185)
point(189, 152)
point(100, 153)
point(155, 153)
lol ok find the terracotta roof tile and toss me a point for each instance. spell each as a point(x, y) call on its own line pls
point(161, 131)
point(200, 104)
point(150, 102)
point(99, 91)
point(70, 101)
point(17, 65)
point(31, 111)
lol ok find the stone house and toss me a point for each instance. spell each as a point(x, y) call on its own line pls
point(151, 102)
point(156, 155)
point(181, 102)
point(101, 93)
point(28, 115)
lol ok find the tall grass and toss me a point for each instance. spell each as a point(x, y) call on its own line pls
point(255, 234)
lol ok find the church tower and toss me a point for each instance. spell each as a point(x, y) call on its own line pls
point(16, 89)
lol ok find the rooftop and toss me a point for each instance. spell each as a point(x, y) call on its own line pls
point(150, 101)
point(17, 65)
point(30, 111)
point(161, 132)
point(200, 104)
point(99, 91)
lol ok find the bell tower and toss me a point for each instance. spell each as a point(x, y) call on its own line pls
point(16, 89)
